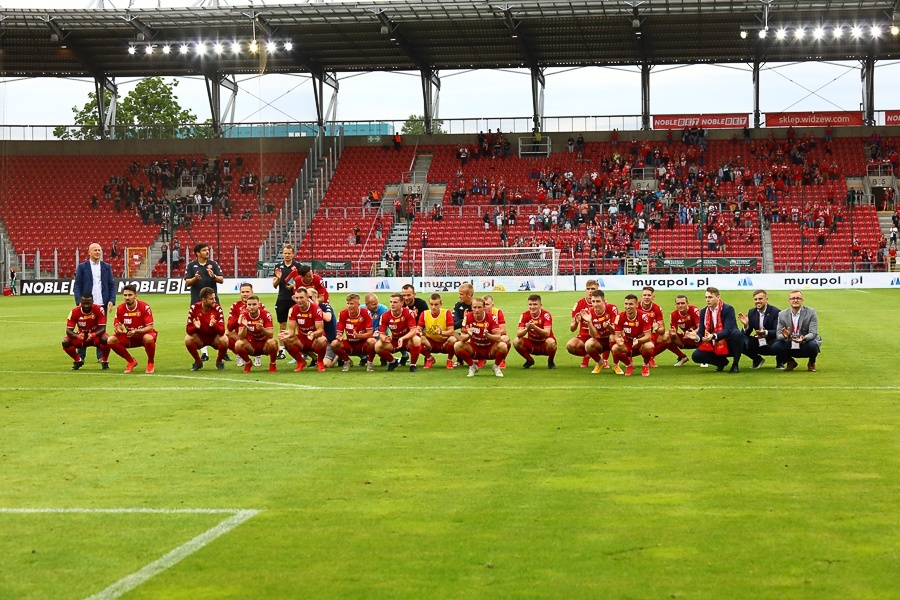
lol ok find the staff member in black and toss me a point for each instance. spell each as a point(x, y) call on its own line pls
point(202, 272)
point(283, 280)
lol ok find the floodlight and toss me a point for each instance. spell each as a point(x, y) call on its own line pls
point(166, 49)
point(200, 48)
point(895, 30)
point(271, 47)
point(799, 33)
point(781, 33)
point(148, 50)
point(762, 34)
point(131, 50)
point(253, 47)
point(818, 33)
point(743, 34)
point(876, 31)
point(288, 46)
point(235, 47)
point(218, 48)
point(837, 32)
point(185, 49)
point(856, 31)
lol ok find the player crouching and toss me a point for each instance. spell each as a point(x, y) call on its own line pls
point(134, 328)
point(206, 327)
point(305, 331)
point(256, 334)
point(86, 326)
point(480, 339)
point(632, 337)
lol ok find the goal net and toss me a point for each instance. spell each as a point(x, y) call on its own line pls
point(542, 262)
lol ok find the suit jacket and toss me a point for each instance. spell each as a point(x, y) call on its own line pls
point(770, 322)
point(809, 323)
point(84, 282)
point(729, 323)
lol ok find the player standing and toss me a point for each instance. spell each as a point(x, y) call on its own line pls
point(480, 339)
point(283, 280)
point(86, 326)
point(133, 328)
point(305, 331)
point(437, 332)
point(633, 335)
point(200, 274)
point(256, 334)
point(354, 334)
point(535, 335)
point(206, 327)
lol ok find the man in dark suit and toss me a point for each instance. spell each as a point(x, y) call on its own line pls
point(94, 276)
point(759, 326)
point(717, 323)
point(798, 334)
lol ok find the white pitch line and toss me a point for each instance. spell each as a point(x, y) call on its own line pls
point(126, 584)
point(491, 384)
point(152, 511)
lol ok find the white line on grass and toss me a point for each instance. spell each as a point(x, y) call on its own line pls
point(128, 583)
point(471, 386)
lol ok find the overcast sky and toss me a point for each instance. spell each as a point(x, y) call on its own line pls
point(473, 94)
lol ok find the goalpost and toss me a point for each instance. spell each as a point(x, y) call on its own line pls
point(535, 262)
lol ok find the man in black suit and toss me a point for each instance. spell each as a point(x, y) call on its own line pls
point(717, 324)
point(759, 326)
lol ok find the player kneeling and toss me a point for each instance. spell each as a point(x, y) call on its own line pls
point(133, 328)
point(480, 339)
point(256, 334)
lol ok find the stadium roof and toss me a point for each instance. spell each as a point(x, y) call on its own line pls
point(451, 34)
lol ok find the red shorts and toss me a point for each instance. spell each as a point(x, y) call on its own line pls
point(532, 347)
point(482, 352)
point(396, 344)
point(258, 346)
point(304, 343)
point(354, 347)
point(207, 340)
point(440, 347)
point(584, 337)
point(634, 350)
point(687, 342)
point(91, 340)
point(136, 341)
point(604, 343)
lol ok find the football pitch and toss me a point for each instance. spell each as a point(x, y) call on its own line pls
point(542, 484)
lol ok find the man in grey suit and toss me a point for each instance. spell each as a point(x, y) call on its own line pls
point(759, 326)
point(96, 277)
point(798, 334)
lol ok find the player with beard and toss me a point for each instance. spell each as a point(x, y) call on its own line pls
point(632, 337)
point(416, 306)
point(354, 334)
point(600, 322)
point(256, 334)
point(234, 315)
point(206, 327)
point(480, 339)
point(576, 345)
point(685, 319)
point(436, 330)
point(398, 330)
point(535, 334)
point(305, 331)
point(648, 305)
point(133, 327)
point(86, 326)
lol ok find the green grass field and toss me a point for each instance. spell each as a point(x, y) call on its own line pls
point(543, 484)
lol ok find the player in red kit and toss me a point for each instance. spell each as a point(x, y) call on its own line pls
point(86, 326)
point(600, 322)
point(398, 330)
point(437, 332)
point(305, 331)
point(354, 334)
point(206, 327)
point(256, 334)
point(501, 320)
point(576, 345)
point(234, 314)
point(306, 278)
point(481, 339)
point(658, 322)
point(633, 334)
point(685, 319)
point(133, 328)
point(535, 335)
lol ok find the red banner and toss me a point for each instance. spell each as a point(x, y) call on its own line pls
point(716, 121)
point(892, 117)
point(814, 119)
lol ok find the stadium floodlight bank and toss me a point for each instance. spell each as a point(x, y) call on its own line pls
point(491, 262)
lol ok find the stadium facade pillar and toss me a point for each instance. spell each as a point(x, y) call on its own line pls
point(431, 93)
point(867, 74)
point(215, 81)
point(645, 95)
point(320, 78)
point(538, 82)
point(757, 116)
point(106, 113)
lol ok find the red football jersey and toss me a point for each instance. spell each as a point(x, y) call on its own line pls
point(306, 319)
point(256, 326)
point(655, 311)
point(86, 322)
point(211, 323)
point(139, 316)
point(606, 318)
point(397, 325)
point(633, 328)
point(352, 325)
point(478, 330)
point(582, 304)
point(235, 313)
point(316, 283)
point(543, 320)
point(685, 322)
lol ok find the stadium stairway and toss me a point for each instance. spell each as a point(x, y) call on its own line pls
point(768, 250)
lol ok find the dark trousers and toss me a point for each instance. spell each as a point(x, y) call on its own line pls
point(735, 345)
point(753, 351)
point(782, 349)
